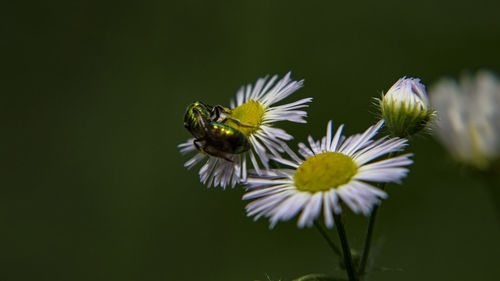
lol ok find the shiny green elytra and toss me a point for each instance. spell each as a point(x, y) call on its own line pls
point(211, 137)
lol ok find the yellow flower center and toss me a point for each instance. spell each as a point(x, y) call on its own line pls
point(324, 171)
point(249, 114)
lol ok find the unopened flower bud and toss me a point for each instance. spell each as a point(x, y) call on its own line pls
point(405, 108)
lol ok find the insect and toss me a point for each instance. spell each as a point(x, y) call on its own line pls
point(213, 137)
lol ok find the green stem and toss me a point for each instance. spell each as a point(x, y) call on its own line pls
point(369, 232)
point(323, 233)
point(345, 247)
point(368, 238)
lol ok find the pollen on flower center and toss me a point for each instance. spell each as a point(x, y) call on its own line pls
point(324, 171)
point(250, 114)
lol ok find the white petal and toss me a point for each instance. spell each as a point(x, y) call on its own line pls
point(310, 211)
point(336, 142)
point(327, 209)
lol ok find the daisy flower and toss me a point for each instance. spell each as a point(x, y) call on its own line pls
point(468, 123)
point(333, 170)
point(256, 112)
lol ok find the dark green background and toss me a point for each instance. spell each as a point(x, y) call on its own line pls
point(94, 94)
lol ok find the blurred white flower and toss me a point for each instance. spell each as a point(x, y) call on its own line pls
point(405, 107)
point(333, 170)
point(468, 122)
point(254, 106)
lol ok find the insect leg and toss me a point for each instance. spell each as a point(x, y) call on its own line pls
point(199, 117)
point(217, 110)
point(220, 108)
point(237, 122)
point(198, 147)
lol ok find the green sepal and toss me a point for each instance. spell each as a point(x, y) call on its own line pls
point(404, 121)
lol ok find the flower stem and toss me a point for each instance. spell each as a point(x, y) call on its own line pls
point(323, 233)
point(368, 239)
point(369, 232)
point(345, 247)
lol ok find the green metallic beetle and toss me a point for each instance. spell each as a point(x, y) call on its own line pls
point(212, 137)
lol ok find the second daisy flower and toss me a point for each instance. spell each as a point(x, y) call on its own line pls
point(333, 170)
